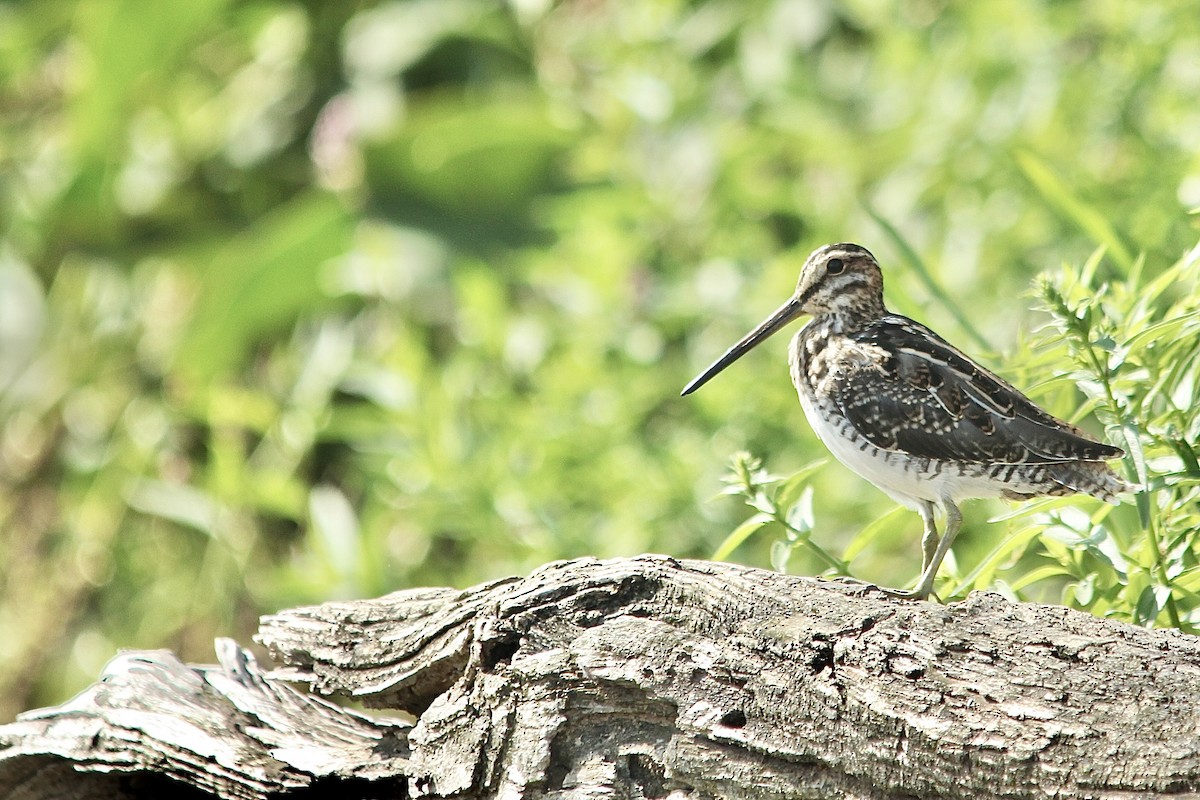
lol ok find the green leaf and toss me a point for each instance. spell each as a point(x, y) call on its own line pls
point(781, 553)
point(1133, 443)
point(1037, 575)
point(790, 490)
point(1038, 506)
point(799, 516)
point(1084, 590)
point(260, 282)
point(1188, 581)
point(1089, 219)
point(1187, 455)
point(131, 49)
point(740, 534)
point(981, 576)
point(762, 502)
point(467, 170)
point(1102, 546)
point(1166, 330)
point(871, 531)
point(1087, 275)
point(1148, 606)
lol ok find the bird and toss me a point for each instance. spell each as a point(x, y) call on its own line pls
point(914, 415)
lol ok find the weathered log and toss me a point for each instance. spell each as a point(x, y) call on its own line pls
point(644, 677)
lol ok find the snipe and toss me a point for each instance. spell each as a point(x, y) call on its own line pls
point(908, 411)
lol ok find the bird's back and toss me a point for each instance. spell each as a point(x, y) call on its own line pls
point(920, 419)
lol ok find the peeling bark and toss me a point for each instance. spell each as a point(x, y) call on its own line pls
point(641, 678)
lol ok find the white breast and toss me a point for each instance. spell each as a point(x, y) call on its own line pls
point(906, 479)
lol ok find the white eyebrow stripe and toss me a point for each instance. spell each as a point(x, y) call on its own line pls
point(842, 252)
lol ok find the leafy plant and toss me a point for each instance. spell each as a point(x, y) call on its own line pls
point(1134, 346)
point(782, 505)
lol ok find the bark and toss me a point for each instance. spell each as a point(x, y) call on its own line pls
point(640, 678)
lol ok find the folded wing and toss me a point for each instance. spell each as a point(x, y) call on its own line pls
point(940, 404)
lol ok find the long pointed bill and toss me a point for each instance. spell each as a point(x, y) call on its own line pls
point(782, 316)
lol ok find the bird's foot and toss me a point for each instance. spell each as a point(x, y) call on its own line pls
point(919, 593)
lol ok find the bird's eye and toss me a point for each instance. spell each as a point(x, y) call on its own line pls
point(835, 266)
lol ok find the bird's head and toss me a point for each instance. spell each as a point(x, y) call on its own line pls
point(838, 279)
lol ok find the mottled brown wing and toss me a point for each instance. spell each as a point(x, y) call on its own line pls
point(932, 401)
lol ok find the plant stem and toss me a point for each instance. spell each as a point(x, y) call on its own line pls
point(1100, 369)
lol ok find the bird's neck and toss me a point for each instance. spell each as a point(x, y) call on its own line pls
point(850, 318)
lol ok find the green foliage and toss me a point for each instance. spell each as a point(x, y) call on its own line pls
point(782, 504)
point(1134, 346)
point(302, 301)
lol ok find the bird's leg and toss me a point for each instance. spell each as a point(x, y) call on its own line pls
point(925, 587)
point(929, 539)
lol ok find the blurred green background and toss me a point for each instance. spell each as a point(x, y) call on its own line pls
point(313, 300)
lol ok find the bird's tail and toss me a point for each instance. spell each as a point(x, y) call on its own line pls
point(1095, 478)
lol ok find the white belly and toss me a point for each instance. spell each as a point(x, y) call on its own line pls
point(905, 479)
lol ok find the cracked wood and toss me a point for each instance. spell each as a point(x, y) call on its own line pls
point(649, 677)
